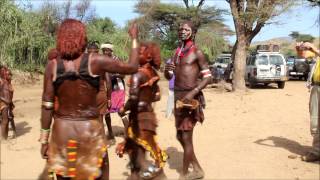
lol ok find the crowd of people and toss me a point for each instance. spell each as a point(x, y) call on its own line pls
point(82, 87)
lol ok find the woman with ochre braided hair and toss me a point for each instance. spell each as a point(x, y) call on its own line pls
point(141, 133)
point(78, 147)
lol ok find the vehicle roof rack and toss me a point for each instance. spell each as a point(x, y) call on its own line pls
point(268, 48)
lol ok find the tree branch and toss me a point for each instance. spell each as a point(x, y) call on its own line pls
point(186, 2)
point(161, 31)
point(201, 2)
point(255, 31)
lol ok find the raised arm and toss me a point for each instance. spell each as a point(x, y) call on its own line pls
point(101, 63)
point(108, 85)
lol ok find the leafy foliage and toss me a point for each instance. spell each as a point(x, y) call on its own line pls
point(159, 21)
point(249, 17)
point(28, 34)
point(301, 37)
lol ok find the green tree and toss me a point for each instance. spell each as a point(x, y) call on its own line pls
point(249, 17)
point(301, 37)
point(159, 21)
point(294, 34)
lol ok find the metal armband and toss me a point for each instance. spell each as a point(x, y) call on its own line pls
point(206, 73)
point(44, 136)
point(47, 104)
point(134, 43)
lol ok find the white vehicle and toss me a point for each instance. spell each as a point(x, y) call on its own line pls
point(222, 61)
point(266, 67)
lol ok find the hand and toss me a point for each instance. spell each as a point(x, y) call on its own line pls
point(120, 149)
point(133, 31)
point(122, 112)
point(311, 47)
point(44, 151)
point(188, 97)
point(169, 67)
point(109, 104)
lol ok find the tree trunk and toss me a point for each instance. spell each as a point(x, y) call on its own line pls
point(238, 83)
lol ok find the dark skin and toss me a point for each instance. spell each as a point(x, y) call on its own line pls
point(141, 95)
point(6, 97)
point(81, 104)
point(108, 52)
point(186, 77)
point(93, 50)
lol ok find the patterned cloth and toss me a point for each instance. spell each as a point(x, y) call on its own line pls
point(78, 153)
point(117, 100)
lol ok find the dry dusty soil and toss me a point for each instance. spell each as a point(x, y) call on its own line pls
point(257, 135)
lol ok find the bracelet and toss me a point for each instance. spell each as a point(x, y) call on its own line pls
point(134, 43)
point(47, 104)
point(44, 136)
point(197, 89)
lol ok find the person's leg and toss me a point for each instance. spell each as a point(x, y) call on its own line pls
point(134, 161)
point(4, 123)
point(182, 138)
point(105, 168)
point(110, 138)
point(11, 121)
point(189, 157)
point(125, 123)
point(314, 154)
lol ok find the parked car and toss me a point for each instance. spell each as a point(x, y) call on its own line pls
point(220, 65)
point(299, 68)
point(266, 67)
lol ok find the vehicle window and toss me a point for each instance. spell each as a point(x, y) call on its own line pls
point(290, 61)
point(262, 60)
point(275, 60)
point(227, 60)
point(223, 60)
point(219, 60)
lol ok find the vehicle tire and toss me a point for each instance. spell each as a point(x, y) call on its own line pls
point(281, 84)
point(301, 67)
point(251, 84)
point(265, 84)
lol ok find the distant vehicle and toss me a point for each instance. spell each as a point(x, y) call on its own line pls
point(299, 68)
point(223, 60)
point(220, 65)
point(265, 66)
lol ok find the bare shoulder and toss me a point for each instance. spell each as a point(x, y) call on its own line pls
point(50, 65)
point(199, 52)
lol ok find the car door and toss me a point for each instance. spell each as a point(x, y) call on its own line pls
point(250, 66)
point(263, 67)
point(277, 65)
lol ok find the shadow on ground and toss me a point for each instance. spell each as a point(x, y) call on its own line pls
point(22, 128)
point(175, 159)
point(118, 131)
point(281, 142)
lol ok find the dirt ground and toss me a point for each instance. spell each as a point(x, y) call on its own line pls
point(258, 135)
